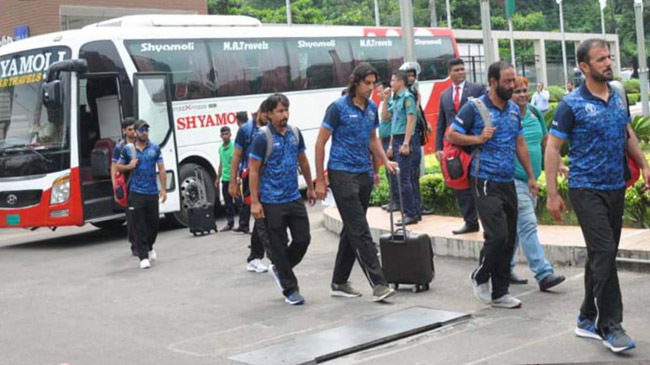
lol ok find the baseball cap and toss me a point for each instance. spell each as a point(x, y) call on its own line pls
point(140, 123)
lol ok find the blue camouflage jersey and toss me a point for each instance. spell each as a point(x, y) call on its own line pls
point(279, 175)
point(244, 141)
point(117, 150)
point(351, 128)
point(596, 133)
point(143, 177)
point(498, 154)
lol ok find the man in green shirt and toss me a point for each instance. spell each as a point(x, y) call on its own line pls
point(535, 134)
point(225, 156)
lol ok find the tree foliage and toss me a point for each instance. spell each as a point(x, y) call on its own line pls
point(534, 15)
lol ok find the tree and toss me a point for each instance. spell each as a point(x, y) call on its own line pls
point(538, 15)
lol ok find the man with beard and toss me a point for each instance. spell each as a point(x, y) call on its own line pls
point(492, 177)
point(277, 152)
point(595, 120)
point(143, 191)
point(351, 121)
point(238, 164)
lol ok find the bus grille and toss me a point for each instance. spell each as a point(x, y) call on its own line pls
point(20, 199)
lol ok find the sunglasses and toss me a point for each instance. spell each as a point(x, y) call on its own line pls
point(143, 129)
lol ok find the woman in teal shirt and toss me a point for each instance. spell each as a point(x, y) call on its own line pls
point(535, 133)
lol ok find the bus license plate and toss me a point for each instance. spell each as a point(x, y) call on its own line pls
point(13, 220)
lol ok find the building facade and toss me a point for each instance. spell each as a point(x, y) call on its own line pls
point(25, 18)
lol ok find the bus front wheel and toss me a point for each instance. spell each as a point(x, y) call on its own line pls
point(190, 191)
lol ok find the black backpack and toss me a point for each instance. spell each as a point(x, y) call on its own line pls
point(422, 127)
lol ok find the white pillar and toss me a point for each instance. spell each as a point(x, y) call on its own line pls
point(564, 66)
point(640, 45)
point(486, 24)
point(376, 14)
point(495, 49)
point(540, 60)
point(406, 12)
point(615, 52)
point(288, 4)
point(512, 44)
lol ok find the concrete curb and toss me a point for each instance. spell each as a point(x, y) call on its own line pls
point(565, 255)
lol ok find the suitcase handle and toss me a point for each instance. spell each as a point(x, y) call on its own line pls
point(401, 206)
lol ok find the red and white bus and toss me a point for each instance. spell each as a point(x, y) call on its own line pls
point(62, 96)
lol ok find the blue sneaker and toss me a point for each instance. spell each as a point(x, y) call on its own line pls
point(295, 298)
point(587, 329)
point(617, 340)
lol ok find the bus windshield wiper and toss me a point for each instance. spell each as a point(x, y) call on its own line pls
point(23, 148)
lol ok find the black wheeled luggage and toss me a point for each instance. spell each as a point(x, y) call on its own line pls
point(201, 220)
point(406, 257)
point(200, 216)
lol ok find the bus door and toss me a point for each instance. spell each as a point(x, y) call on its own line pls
point(100, 115)
point(153, 104)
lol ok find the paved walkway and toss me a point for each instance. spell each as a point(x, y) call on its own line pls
point(562, 244)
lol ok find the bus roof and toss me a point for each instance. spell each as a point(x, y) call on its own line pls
point(175, 20)
point(201, 26)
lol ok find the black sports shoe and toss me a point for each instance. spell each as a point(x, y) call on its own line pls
point(550, 281)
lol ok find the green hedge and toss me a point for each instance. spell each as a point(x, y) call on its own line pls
point(442, 200)
point(556, 93)
point(633, 98)
point(632, 86)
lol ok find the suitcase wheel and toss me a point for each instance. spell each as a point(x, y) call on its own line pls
point(420, 288)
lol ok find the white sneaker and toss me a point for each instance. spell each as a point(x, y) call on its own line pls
point(506, 301)
point(145, 264)
point(256, 266)
point(481, 291)
point(153, 256)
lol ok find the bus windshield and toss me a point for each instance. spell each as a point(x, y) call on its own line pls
point(34, 140)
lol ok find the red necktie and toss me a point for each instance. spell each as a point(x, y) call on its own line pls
point(457, 98)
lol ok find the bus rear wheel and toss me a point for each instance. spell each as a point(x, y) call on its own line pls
point(190, 192)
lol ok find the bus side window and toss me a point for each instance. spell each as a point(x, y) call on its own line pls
point(319, 63)
point(250, 66)
point(433, 53)
point(187, 61)
point(384, 54)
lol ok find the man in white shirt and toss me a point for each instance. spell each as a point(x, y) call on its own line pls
point(541, 97)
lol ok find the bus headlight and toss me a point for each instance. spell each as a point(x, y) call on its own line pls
point(60, 190)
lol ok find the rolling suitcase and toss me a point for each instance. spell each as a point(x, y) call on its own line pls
point(200, 217)
point(406, 257)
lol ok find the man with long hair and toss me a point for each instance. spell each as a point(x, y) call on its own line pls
point(351, 121)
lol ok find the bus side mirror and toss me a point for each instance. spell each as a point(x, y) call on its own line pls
point(52, 95)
